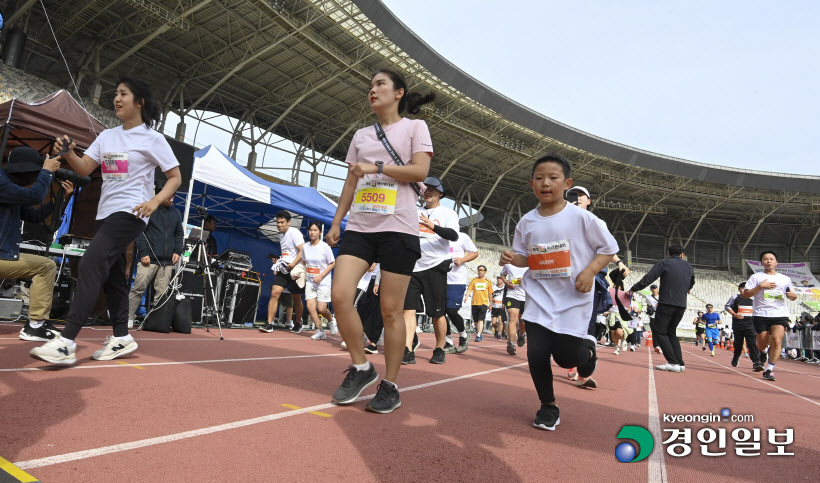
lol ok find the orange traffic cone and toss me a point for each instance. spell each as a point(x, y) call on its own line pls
point(730, 345)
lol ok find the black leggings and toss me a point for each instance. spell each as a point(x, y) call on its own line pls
point(103, 265)
point(567, 351)
point(456, 319)
point(750, 336)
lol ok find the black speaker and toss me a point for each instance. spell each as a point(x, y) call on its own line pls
point(196, 302)
point(240, 299)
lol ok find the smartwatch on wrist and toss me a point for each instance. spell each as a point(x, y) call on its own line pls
point(379, 167)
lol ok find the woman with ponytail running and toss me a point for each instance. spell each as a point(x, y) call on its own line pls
point(387, 162)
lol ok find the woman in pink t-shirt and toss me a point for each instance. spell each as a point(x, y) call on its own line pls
point(382, 228)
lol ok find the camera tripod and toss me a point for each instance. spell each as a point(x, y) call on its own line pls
point(207, 283)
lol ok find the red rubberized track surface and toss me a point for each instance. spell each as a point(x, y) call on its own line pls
point(194, 408)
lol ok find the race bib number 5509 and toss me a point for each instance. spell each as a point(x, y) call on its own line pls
point(550, 260)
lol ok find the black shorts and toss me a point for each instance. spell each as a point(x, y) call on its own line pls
point(616, 326)
point(284, 280)
point(762, 324)
point(432, 285)
point(700, 330)
point(479, 313)
point(512, 303)
point(395, 252)
point(499, 312)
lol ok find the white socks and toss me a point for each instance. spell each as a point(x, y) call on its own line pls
point(362, 367)
point(462, 334)
point(36, 324)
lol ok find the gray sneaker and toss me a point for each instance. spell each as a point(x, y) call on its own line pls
point(511, 350)
point(355, 382)
point(450, 348)
point(463, 344)
point(522, 339)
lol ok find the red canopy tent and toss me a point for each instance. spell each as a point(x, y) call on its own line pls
point(38, 123)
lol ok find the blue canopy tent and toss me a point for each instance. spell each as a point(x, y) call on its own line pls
point(245, 206)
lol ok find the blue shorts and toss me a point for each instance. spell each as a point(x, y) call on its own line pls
point(713, 334)
point(455, 295)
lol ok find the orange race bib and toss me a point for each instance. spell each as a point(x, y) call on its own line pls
point(745, 311)
point(313, 270)
point(550, 260)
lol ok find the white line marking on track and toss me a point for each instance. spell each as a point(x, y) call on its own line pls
point(176, 363)
point(656, 470)
point(78, 455)
point(756, 379)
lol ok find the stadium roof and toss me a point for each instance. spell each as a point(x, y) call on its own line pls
point(300, 69)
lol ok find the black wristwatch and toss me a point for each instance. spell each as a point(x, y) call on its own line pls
point(379, 167)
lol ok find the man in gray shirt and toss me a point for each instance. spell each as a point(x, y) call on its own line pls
point(677, 278)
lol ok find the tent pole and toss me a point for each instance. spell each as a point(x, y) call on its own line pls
point(188, 203)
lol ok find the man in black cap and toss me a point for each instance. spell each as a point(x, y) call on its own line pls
point(23, 183)
point(438, 226)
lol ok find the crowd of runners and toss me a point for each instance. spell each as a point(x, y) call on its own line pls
point(559, 292)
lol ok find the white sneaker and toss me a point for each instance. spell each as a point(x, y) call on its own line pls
point(665, 367)
point(632, 347)
point(289, 324)
point(624, 345)
point(130, 324)
point(674, 368)
point(617, 351)
point(56, 351)
point(418, 329)
point(319, 335)
point(334, 327)
point(682, 368)
point(344, 345)
point(114, 347)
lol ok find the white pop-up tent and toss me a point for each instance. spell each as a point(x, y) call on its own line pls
point(245, 202)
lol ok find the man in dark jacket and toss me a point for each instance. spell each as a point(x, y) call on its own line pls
point(677, 278)
point(158, 249)
point(23, 184)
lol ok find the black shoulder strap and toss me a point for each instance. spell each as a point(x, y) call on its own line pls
point(393, 154)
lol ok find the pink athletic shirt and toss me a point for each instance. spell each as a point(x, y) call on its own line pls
point(408, 136)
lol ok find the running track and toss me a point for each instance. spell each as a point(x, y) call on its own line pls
point(254, 407)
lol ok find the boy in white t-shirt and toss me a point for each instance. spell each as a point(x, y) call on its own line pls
point(769, 291)
point(564, 247)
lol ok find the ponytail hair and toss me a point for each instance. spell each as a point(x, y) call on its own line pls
point(410, 102)
point(150, 110)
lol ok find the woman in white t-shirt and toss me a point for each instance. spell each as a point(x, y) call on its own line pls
point(319, 262)
point(127, 156)
point(769, 291)
point(383, 227)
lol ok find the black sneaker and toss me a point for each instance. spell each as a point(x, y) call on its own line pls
point(734, 361)
point(409, 357)
point(758, 367)
point(371, 349)
point(297, 328)
point(50, 327)
point(438, 356)
point(503, 335)
point(40, 334)
point(522, 339)
point(704, 348)
point(547, 417)
point(768, 376)
point(463, 344)
point(386, 399)
point(266, 328)
point(764, 357)
point(416, 342)
point(449, 348)
point(355, 382)
point(511, 350)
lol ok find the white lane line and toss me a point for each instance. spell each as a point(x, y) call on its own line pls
point(760, 380)
point(657, 461)
point(176, 363)
point(78, 455)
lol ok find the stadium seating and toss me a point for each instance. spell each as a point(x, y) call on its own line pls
point(16, 84)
